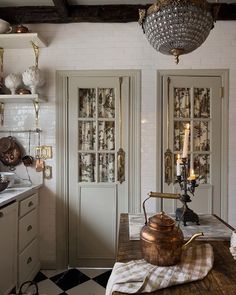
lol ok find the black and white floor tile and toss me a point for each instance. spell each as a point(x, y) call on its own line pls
point(86, 281)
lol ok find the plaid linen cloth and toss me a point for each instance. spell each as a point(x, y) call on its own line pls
point(138, 276)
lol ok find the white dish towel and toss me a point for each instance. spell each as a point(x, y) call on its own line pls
point(140, 276)
point(233, 244)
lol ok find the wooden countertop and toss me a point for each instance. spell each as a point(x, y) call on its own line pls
point(221, 280)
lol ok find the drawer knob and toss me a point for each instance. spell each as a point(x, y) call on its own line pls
point(30, 204)
point(29, 260)
point(1, 214)
point(29, 227)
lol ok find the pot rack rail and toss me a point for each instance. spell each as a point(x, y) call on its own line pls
point(36, 130)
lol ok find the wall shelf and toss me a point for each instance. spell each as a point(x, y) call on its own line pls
point(20, 40)
point(21, 98)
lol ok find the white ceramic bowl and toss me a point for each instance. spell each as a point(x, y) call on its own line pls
point(4, 27)
point(10, 176)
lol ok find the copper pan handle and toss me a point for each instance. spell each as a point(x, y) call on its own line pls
point(158, 195)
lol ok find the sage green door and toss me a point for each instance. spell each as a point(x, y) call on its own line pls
point(98, 108)
point(196, 101)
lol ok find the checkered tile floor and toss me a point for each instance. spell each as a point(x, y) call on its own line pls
point(72, 281)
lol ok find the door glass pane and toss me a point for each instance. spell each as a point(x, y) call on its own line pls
point(106, 167)
point(87, 135)
point(201, 136)
point(96, 146)
point(87, 102)
point(106, 102)
point(201, 102)
point(87, 167)
point(182, 102)
point(194, 105)
point(202, 167)
point(179, 127)
point(106, 135)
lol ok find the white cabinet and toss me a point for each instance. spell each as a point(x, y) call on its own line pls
point(19, 247)
point(28, 249)
point(8, 247)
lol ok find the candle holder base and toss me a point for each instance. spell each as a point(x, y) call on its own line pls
point(186, 214)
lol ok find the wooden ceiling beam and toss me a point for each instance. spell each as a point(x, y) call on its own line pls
point(29, 14)
point(61, 7)
point(226, 11)
point(89, 13)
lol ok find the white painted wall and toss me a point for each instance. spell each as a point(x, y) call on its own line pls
point(116, 46)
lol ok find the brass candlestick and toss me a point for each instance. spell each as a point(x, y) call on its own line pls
point(185, 213)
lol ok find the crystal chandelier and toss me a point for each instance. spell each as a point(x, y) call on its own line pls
point(177, 26)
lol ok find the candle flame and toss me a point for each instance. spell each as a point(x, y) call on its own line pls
point(192, 172)
point(178, 156)
point(187, 125)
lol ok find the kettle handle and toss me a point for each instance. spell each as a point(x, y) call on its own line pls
point(158, 195)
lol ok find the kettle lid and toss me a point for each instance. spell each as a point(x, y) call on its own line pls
point(161, 221)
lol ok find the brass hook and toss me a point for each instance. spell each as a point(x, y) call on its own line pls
point(1, 59)
point(1, 66)
point(1, 113)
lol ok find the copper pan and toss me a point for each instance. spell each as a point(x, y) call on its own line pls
point(10, 151)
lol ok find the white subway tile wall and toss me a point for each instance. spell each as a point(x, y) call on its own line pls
point(85, 46)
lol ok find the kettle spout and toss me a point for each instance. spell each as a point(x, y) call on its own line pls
point(184, 247)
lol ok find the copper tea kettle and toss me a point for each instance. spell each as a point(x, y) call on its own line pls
point(162, 241)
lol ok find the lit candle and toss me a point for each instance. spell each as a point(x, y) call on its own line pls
point(186, 140)
point(192, 175)
point(178, 167)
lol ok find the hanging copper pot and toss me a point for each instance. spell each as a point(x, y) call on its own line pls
point(10, 151)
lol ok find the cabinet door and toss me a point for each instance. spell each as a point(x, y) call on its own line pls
point(8, 248)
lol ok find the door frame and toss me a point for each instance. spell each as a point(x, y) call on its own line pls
point(224, 75)
point(62, 159)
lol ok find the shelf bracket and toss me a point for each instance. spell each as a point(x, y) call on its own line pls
point(36, 108)
point(1, 113)
point(36, 52)
point(1, 67)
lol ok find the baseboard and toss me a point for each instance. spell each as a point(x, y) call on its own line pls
point(47, 264)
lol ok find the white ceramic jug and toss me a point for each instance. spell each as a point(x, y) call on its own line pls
point(5, 27)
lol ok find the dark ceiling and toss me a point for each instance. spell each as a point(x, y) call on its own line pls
point(61, 11)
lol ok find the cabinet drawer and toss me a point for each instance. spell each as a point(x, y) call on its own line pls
point(28, 204)
point(28, 260)
point(28, 226)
